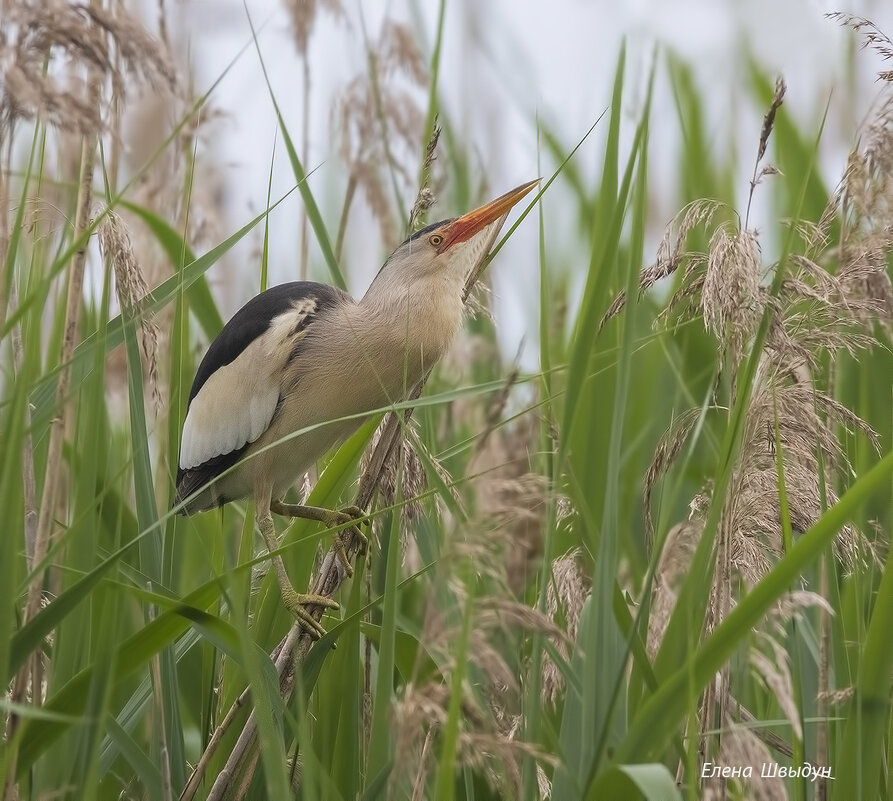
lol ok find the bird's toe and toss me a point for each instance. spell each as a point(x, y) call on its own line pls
point(298, 604)
point(355, 513)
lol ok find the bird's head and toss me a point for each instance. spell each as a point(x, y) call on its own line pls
point(447, 249)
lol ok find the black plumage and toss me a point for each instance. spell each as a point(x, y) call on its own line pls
point(245, 326)
point(253, 319)
point(281, 386)
point(428, 229)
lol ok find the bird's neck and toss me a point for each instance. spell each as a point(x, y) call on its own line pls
point(421, 317)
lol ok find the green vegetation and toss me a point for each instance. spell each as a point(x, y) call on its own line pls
point(666, 547)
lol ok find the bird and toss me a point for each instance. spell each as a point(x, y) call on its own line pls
point(300, 366)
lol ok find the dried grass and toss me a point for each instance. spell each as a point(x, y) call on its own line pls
point(565, 596)
point(838, 697)
point(811, 455)
point(817, 313)
point(304, 14)
point(511, 499)
point(487, 738)
point(425, 198)
point(830, 299)
point(675, 559)
point(872, 37)
point(667, 451)
point(731, 299)
point(774, 670)
point(41, 36)
point(751, 525)
point(132, 291)
point(404, 481)
point(378, 114)
point(765, 133)
point(671, 252)
point(498, 546)
point(863, 203)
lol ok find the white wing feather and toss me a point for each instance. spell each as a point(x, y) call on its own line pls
point(236, 404)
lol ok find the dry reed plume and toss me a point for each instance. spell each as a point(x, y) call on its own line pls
point(491, 702)
point(565, 595)
point(92, 46)
point(131, 287)
point(74, 36)
point(381, 125)
point(827, 301)
point(872, 37)
point(501, 544)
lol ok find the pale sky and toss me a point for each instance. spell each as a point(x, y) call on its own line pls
point(504, 63)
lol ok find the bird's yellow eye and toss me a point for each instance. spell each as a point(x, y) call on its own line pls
point(436, 240)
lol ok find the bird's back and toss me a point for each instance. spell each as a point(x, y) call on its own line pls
point(303, 357)
point(237, 387)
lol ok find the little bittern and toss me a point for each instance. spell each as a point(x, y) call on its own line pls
point(305, 356)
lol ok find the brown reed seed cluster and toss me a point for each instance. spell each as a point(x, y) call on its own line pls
point(828, 300)
point(511, 498)
point(381, 120)
point(403, 479)
point(131, 289)
point(500, 544)
point(67, 37)
point(872, 37)
point(565, 595)
point(304, 14)
point(490, 705)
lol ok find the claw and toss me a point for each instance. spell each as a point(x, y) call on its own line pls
point(297, 604)
point(331, 519)
point(349, 514)
point(341, 553)
point(354, 513)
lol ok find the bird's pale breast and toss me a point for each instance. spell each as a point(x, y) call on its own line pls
point(351, 361)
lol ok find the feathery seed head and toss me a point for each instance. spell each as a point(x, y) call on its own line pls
point(565, 595)
point(731, 298)
point(131, 288)
point(303, 15)
point(74, 35)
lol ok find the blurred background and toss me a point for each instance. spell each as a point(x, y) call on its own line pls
point(510, 68)
point(551, 510)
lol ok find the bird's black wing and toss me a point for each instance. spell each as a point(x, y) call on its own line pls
point(212, 441)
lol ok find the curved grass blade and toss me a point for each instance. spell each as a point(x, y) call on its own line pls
point(43, 395)
point(651, 731)
point(312, 209)
point(201, 303)
point(652, 782)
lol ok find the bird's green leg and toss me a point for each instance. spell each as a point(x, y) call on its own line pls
point(295, 602)
point(330, 518)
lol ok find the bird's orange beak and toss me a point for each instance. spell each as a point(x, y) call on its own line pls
point(466, 226)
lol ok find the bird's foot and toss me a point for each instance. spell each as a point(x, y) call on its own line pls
point(331, 518)
point(349, 514)
point(297, 603)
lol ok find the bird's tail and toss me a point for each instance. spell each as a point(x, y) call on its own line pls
point(193, 496)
